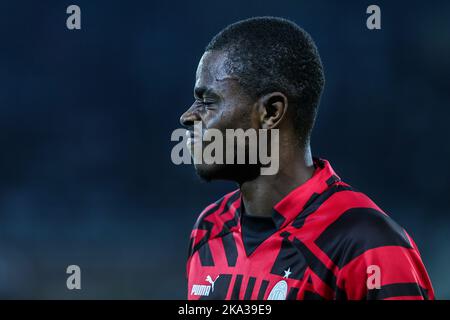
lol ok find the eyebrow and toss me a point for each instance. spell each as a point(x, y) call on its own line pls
point(227, 78)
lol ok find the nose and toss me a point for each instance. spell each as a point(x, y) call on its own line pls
point(188, 118)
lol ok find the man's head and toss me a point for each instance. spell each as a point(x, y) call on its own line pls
point(259, 73)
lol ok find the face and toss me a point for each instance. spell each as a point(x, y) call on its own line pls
point(220, 103)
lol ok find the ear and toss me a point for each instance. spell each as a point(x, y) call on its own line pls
point(272, 107)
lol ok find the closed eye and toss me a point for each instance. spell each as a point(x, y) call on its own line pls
point(204, 103)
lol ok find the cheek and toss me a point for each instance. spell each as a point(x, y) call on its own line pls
point(233, 117)
point(216, 119)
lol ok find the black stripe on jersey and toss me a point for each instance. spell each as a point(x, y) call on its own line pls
point(292, 295)
point(397, 290)
point(289, 257)
point(233, 222)
point(311, 199)
point(285, 234)
point(358, 230)
point(230, 201)
point(205, 238)
point(332, 180)
point(249, 290)
point(191, 249)
point(309, 295)
point(278, 218)
point(221, 286)
point(236, 287)
point(202, 224)
point(318, 162)
point(230, 247)
point(325, 274)
point(262, 289)
point(324, 196)
point(205, 256)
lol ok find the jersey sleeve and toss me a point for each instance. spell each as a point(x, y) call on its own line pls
point(386, 273)
point(383, 263)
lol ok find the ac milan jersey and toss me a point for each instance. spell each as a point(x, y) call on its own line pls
point(325, 240)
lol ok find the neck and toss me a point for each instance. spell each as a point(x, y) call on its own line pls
point(263, 193)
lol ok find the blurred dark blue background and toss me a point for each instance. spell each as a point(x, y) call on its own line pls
point(86, 117)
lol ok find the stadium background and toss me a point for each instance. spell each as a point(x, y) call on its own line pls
point(86, 118)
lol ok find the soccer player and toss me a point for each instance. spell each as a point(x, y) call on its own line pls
point(301, 233)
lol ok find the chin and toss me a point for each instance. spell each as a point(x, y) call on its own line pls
point(238, 173)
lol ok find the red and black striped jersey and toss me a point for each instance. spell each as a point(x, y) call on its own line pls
point(325, 240)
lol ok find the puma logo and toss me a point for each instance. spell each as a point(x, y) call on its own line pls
point(210, 280)
point(202, 289)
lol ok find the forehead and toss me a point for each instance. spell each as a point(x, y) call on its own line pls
point(212, 70)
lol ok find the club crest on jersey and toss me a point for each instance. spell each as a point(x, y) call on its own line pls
point(202, 289)
point(279, 291)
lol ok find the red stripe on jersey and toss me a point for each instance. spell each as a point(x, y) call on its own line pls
point(396, 264)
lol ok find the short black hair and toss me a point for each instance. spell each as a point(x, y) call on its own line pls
point(274, 54)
